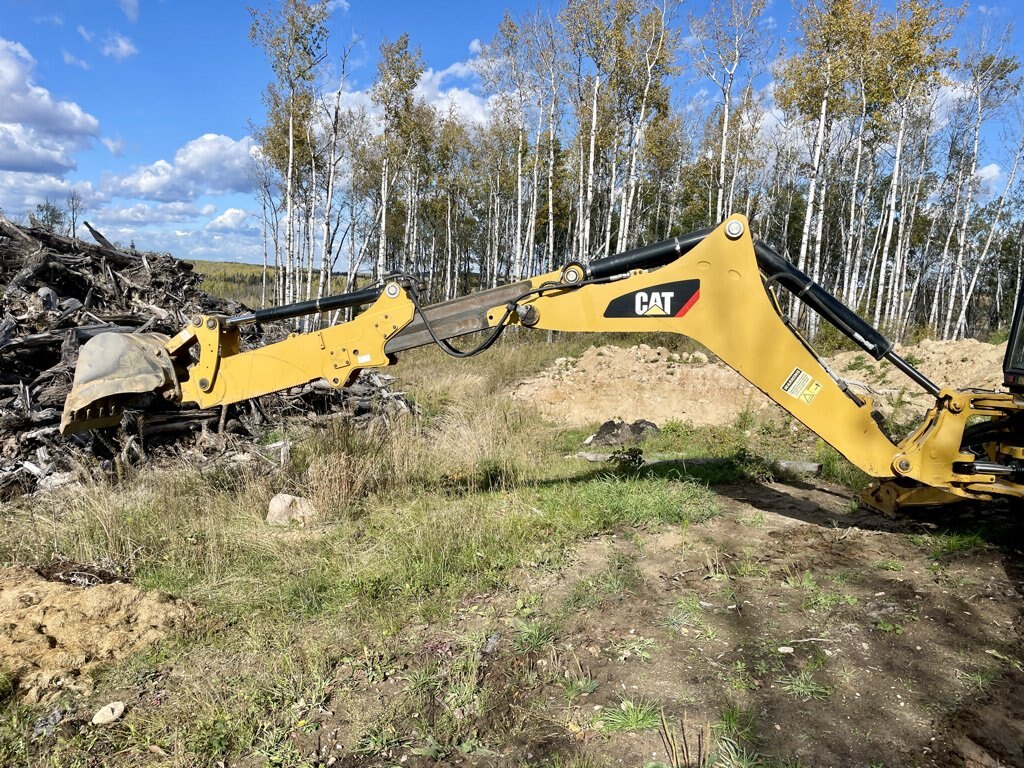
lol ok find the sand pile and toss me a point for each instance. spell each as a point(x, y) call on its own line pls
point(641, 382)
point(52, 634)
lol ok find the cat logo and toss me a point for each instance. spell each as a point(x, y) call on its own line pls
point(654, 303)
point(666, 300)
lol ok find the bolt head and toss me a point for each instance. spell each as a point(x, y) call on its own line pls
point(211, 323)
point(204, 383)
point(734, 228)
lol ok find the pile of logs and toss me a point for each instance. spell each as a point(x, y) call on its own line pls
point(56, 293)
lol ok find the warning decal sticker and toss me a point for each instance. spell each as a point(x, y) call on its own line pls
point(801, 385)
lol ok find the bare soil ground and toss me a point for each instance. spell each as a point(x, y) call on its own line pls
point(806, 632)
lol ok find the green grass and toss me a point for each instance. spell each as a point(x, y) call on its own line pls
point(890, 627)
point(826, 601)
point(747, 566)
point(685, 610)
point(632, 648)
point(955, 543)
point(532, 636)
point(575, 686)
point(629, 715)
point(414, 519)
point(889, 564)
point(803, 580)
point(836, 468)
point(599, 503)
point(464, 502)
point(734, 722)
point(244, 282)
point(803, 686)
point(979, 678)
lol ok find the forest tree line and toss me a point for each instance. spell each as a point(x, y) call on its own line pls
point(861, 150)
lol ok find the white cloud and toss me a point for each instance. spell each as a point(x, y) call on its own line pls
point(38, 134)
point(336, 5)
point(144, 214)
point(118, 47)
point(85, 33)
point(53, 19)
point(991, 10)
point(989, 172)
point(22, 101)
point(20, 192)
point(232, 220)
point(23, 149)
point(210, 164)
point(948, 95)
point(436, 89)
point(71, 60)
point(130, 8)
point(991, 180)
point(475, 46)
point(114, 146)
point(470, 106)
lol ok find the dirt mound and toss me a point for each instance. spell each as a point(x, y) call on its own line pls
point(651, 383)
point(52, 634)
point(966, 364)
point(641, 383)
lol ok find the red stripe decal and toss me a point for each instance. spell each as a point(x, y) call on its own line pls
point(689, 304)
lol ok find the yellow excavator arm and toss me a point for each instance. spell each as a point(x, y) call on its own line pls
point(715, 286)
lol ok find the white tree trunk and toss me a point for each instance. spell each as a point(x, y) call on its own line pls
point(382, 246)
point(585, 234)
point(890, 221)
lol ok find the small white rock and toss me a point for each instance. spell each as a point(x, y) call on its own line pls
point(56, 480)
point(785, 649)
point(109, 713)
point(285, 509)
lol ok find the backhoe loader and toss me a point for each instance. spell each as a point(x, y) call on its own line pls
point(717, 286)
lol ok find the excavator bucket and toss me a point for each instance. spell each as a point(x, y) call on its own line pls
point(114, 370)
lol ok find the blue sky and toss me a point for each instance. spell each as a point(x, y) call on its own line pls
point(145, 106)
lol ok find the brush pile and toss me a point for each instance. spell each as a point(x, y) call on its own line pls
point(58, 292)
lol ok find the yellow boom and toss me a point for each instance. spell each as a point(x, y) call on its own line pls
point(713, 286)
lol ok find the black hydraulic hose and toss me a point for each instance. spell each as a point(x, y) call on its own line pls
point(647, 256)
point(866, 336)
point(501, 325)
point(856, 328)
point(302, 308)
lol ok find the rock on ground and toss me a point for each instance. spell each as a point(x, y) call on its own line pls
point(616, 432)
point(285, 509)
point(108, 713)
